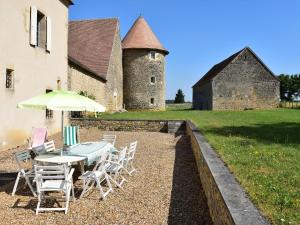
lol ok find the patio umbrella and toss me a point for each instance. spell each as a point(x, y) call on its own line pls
point(61, 100)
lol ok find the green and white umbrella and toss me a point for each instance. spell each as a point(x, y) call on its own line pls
point(60, 100)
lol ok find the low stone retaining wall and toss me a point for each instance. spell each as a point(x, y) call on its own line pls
point(227, 201)
point(130, 125)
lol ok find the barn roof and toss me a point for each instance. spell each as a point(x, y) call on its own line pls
point(216, 69)
point(141, 36)
point(90, 44)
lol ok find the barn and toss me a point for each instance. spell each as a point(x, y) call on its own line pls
point(240, 82)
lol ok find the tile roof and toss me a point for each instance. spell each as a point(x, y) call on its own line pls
point(90, 44)
point(141, 35)
point(216, 69)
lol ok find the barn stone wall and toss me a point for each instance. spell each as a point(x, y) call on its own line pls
point(138, 69)
point(81, 80)
point(245, 84)
point(114, 84)
point(108, 92)
point(202, 97)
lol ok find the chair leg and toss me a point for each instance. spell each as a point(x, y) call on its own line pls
point(16, 184)
point(67, 200)
point(73, 193)
point(100, 188)
point(30, 186)
point(38, 205)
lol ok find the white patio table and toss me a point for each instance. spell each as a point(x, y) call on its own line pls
point(64, 159)
point(88, 153)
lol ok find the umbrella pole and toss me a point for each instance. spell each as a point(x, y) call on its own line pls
point(62, 132)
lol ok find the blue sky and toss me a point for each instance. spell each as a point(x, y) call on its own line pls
point(200, 33)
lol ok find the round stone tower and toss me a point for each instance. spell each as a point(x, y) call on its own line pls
point(143, 69)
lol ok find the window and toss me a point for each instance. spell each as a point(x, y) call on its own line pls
point(152, 80)
point(152, 101)
point(49, 113)
point(41, 30)
point(9, 79)
point(152, 55)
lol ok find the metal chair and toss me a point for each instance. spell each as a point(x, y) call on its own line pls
point(21, 158)
point(54, 179)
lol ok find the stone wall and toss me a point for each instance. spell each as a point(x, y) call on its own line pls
point(227, 201)
point(114, 85)
point(202, 96)
point(138, 90)
point(170, 126)
point(82, 80)
point(245, 83)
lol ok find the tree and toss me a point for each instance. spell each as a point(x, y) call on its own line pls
point(179, 98)
point(289, 87)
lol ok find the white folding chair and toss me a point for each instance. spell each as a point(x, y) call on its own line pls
point(49, 146)
point(22, 158)
point(110, 138)
point(54, 179)
point(128, 163)
point(116, 167)
point(97, 175)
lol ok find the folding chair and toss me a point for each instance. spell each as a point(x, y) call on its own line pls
point(38, 137)
point(54, 179)
point(71, 135)
point(21, 158)
point(128, 164)
point(98, 175)
point(116, 167)
point(110, 138)
point(49, 146)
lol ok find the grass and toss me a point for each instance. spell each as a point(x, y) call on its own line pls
point(261, 147)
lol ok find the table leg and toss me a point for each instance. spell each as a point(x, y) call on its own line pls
point(81, 166)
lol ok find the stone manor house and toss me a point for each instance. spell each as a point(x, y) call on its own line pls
point(42, 51)
point(240, 82)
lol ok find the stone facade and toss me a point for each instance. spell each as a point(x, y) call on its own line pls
point(81, 80)
point(244, 83)
point(107, 92)
point(138, 70)
point(114, 84)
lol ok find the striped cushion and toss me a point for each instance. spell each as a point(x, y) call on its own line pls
point(70, 135)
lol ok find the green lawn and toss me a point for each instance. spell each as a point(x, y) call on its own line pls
point(262, 149)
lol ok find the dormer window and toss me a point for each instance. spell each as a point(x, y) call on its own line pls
point(152, 55)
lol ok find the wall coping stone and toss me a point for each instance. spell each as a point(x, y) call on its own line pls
point(239, 206)
point(130, 120)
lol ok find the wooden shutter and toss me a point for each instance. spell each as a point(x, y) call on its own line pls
point(33, 25)
point(49, 33)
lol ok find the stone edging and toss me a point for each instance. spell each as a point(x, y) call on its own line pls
point(227, 201)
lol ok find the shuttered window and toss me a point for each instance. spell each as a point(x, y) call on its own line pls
point(40, 29)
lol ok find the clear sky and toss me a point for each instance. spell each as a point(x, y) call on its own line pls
point(201, 33)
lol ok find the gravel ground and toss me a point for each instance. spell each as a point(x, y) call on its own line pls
point(164, 190)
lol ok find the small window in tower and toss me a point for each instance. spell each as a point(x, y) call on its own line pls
point(152, 80)
point(9, 79)
point(152, 101)
point(153, 55)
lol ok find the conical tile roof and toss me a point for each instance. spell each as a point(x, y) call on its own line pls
point(141, 36)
